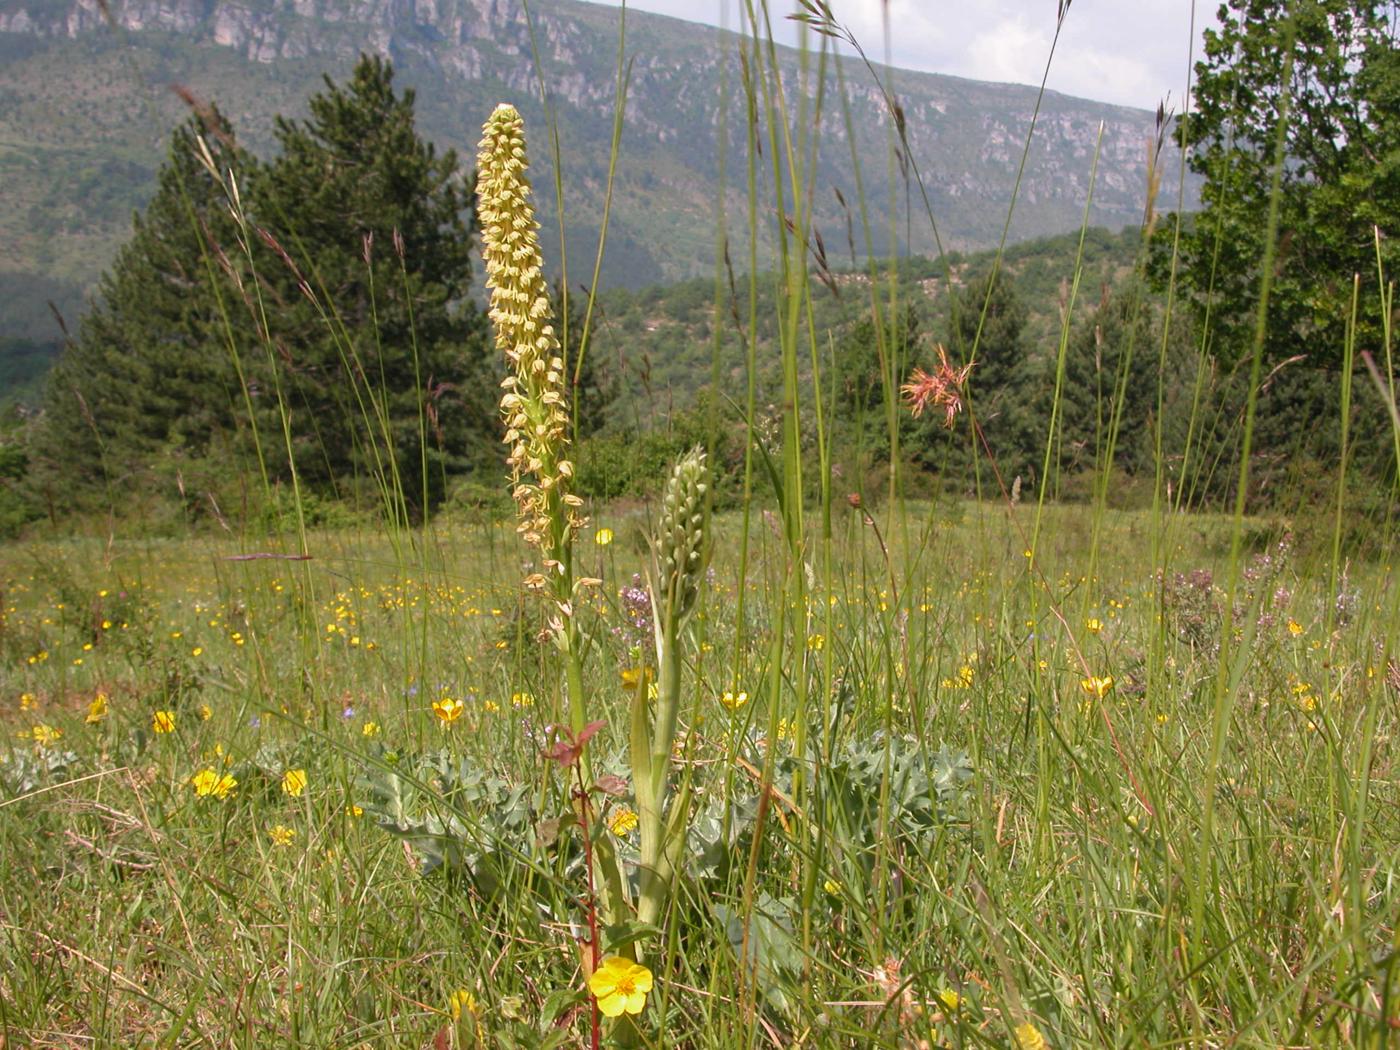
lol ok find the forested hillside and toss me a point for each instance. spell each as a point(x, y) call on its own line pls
point(79, 151)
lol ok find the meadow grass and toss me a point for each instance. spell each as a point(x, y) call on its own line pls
point(1052, 885)
point(955, 773)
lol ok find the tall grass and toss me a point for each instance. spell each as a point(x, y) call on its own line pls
point(959, 772)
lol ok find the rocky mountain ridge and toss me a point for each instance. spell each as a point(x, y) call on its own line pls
point(79, 150)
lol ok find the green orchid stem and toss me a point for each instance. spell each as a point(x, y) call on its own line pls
point(657, 852)
point(680, 553)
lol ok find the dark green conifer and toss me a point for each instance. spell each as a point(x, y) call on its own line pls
point(369, 270)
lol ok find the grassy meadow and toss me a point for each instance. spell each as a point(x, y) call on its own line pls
point(1007, 790)
point(811, 761)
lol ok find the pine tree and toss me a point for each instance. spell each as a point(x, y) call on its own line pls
point(147, 374)
point(1003, 380)
point(369, 237)
point(868, 360)
point(1109, 393)
point(338, 296)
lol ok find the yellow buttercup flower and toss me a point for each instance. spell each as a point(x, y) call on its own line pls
point(732, 700)
point(207, 782)
point(623, 821)
point(163, 722)
point(462, 1001)
point(44, 735)
point(97, 710)
point(281, 835)
point(448, 710)
point(1027, 1037)
point(1294, 628)
point(620, 986)
point(603, 537)
point(370, 729)
point(294, 782)
point(1097, 686)
point(632, 676)
point(1094, 625)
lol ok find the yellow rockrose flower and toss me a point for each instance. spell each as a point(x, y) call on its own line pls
point(620, 986)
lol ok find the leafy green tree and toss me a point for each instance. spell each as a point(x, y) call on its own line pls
point(1328, 72)
point(369, 269)
point(1335, 65)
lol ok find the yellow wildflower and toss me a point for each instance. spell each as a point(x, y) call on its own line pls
point(1294, 627)
point(620, 986)
point(448, 710)
point(207, 782)
point(281, 835)
point(370, 729)
point(1027, 1037)
point(45, 735)
point(294, 782)
point(1097, 686)
point(163, 722)
point(1094, 625)
point(631, 676)
point(732, 700)
point(603, 537)
point(950, 999)
point(623, 821)
point(462, 1001)
point(97, 710)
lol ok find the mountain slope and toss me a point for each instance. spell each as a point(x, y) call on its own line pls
point(85, 108)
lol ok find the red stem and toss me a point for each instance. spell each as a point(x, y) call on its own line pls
point(591, 905)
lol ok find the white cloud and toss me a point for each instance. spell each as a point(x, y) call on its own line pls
point(1132, 52)
point(1011, 50)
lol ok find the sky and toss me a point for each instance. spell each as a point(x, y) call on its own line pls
point(1131, 52)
